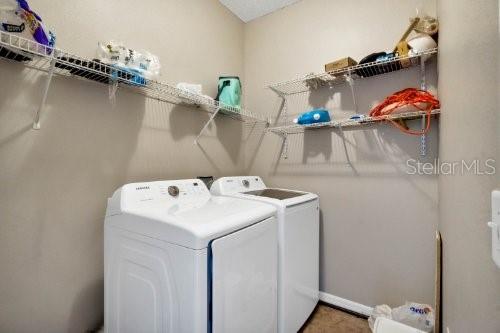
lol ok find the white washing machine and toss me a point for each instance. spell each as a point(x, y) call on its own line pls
point(178, 259)
point(298, 239)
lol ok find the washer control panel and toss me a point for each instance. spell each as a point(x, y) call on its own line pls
point(231, 185)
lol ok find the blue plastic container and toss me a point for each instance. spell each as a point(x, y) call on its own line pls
point(313, 117)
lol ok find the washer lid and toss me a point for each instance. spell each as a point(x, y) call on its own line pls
point(182, 212)
point(253, 188)
point(274, 193)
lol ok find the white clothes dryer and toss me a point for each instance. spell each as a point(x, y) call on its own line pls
point(178, 259)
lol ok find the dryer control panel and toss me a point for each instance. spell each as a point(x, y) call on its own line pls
point(231, 185)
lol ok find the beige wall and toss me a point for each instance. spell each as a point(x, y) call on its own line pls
point(377, 222)
point(469, 90)
point(54, 182)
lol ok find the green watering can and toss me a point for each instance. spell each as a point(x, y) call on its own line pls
point(229, 91)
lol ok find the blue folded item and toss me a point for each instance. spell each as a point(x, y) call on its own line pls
point(358, 117)
point(132, 76)
point(313, 117)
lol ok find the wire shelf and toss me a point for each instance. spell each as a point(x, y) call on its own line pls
point(343, 76)
point(47, 59)
point(349, 123)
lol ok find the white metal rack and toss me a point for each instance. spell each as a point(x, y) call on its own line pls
point(54, 61)
point(349, 76)
point(349, 123)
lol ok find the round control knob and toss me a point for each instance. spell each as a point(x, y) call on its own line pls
point(246, 183)
point(173, 191)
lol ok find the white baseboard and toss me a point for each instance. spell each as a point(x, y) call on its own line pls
point(345, 304)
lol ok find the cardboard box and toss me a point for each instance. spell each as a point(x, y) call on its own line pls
point(340, 64)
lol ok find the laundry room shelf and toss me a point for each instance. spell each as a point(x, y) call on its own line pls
point(348, 123)
point(347, 75)
point(58, 62)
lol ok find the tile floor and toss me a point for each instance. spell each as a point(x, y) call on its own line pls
point(326, 319)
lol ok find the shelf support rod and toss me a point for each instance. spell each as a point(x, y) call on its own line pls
point(281, 111)
point(284, 114)
point(423, 83)
point(284, 110)
point(351, 85)
point(206, 125)
point(285, 145)
point(423, 139)
point(36, 120)
point(423, 86)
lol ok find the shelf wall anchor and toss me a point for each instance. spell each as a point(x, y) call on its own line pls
point(36, 120)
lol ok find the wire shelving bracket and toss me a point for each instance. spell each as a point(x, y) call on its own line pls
point(212, 117)
point(48, 81)
point(55, 61)
point(350, 80)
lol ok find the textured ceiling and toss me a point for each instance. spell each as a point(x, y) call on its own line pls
point(248, 10)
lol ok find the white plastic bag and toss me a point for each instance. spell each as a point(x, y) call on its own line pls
point(190, 87)
point(379, 311)
point(420, 316)
point(11, 21)
point(17, 19)
point(111, 53)
point(142, 62)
